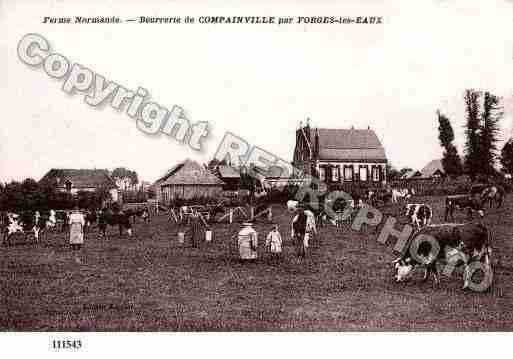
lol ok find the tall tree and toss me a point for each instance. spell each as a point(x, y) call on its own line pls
point(473, 160)
point(392, 172)
point(492, 113)
point(451, 160)
point(507, 157)
point(125, 178)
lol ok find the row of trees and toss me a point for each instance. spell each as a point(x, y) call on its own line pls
point(30, 195)
point(483, 113)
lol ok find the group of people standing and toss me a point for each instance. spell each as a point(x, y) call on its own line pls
point(303, 228)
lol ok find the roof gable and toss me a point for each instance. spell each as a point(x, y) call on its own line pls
point(348, 144)
point(79, 178)
point(226, 171)
point(189, 173)
point(434, 167)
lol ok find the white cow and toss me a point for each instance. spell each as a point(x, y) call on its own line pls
point(310, 222)
point(292, 205)
point(15, 226)
point(51, 223)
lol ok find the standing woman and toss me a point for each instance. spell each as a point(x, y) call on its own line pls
point(76, 231)
point(299, 231)
point(195, 228)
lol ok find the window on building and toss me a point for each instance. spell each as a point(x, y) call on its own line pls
point(348, 173)
point(335, 174)
point(322, 173)
point(363, 173)
point(68, 186)
point(375, 174)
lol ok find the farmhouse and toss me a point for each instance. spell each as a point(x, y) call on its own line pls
point(340, 155)
point(75, 180)
point(433, 169)
point(187, 180)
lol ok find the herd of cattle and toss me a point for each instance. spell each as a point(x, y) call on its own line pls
point(458, 243)
point(34, 223)
point(467, 242)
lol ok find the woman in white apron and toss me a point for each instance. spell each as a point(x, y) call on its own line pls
point(248, 243)
point(76, 229)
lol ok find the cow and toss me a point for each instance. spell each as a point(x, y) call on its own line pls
point(62, 218)
point(379, 196)
point(138, 212)
point(419, 215)
point(90, 217)
point(492, 194)
point(26, 223)
point(470, 203)
point(292, 205)
point(456, 244)
point(108, 217)
point(51, 222)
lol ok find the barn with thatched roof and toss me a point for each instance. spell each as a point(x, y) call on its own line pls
point(187, 180)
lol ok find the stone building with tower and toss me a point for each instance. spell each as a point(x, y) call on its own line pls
point(340, 155)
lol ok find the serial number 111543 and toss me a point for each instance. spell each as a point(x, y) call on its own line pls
point(66, 344)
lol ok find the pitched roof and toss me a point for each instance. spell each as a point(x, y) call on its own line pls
point(273, 172)
point(79, 178)
point(431, 168)
point(348, 144)
point(411, 174)
point(226, 171)
point(189, 172)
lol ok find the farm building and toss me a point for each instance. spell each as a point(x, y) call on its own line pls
point(272, 177)
point(230, 176)
point(75, 180)
point(433, 169)
point(340, 155)
point(411, 174)
point(187, 180)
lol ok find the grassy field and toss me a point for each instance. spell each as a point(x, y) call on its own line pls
point(151, 282)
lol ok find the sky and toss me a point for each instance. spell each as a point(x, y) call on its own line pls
point(256, 81)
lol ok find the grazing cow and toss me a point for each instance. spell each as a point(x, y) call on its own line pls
point(90, 218)
point(292, 205)
point(62, 220)
point(379, 196)
point(457, 244)
point(26, 223)
point(403, 194)
point(470, 203)
point(492, 194)
point(138, 212)
point(419, 215)
point(310, 222)
point(51, 222)
point(108, 217)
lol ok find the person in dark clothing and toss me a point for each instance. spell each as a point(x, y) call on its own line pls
point(298, 231)
point(195, 229)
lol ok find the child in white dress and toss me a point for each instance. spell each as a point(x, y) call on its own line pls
point(274, 241)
